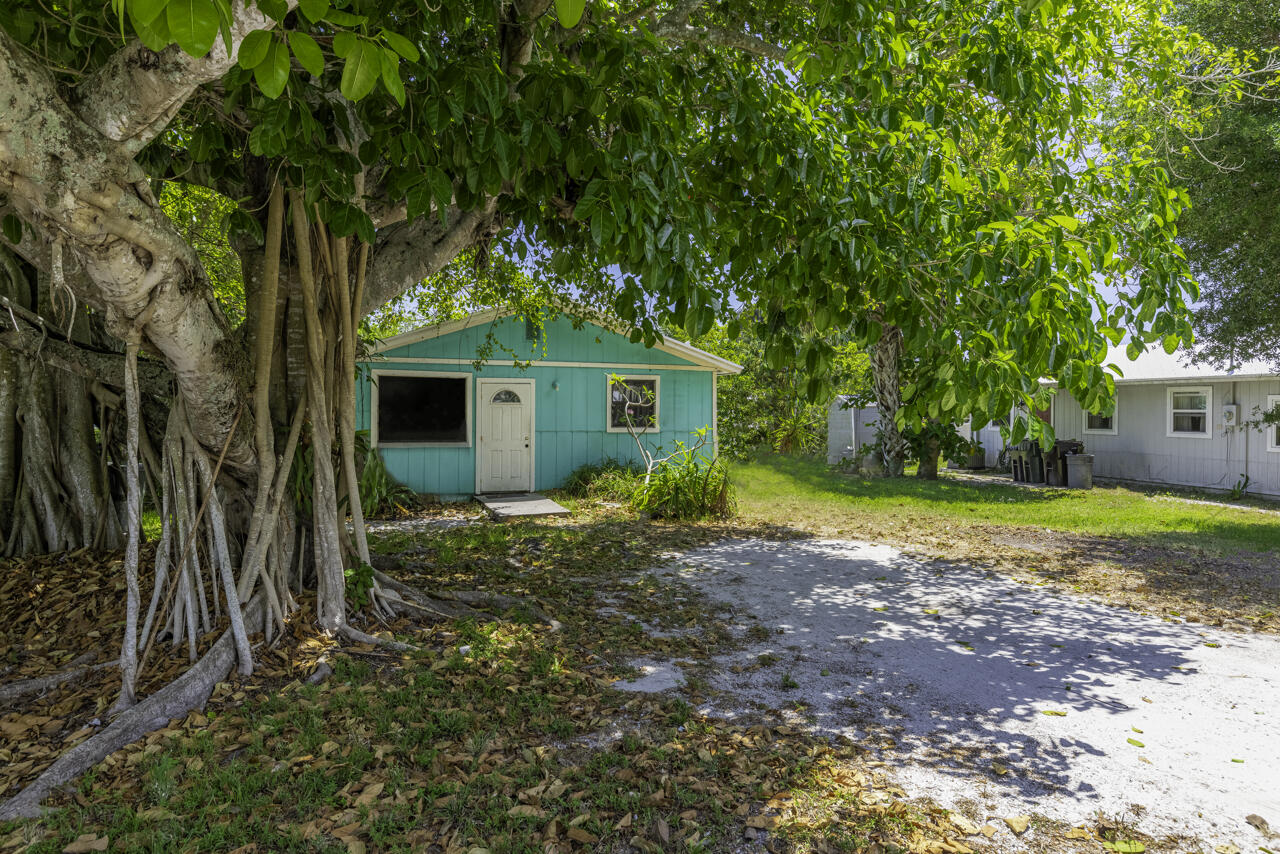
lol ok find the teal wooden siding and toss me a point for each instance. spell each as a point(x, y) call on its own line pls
point(570, 410)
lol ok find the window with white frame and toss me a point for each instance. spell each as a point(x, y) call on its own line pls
point(1189, 408)
point(633, 401)
point(1273, 430)
point(421, 408)
point(1103, 424)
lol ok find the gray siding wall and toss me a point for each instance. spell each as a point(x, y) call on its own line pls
point(848, 430)
point(1142, 450)
point(992, 444)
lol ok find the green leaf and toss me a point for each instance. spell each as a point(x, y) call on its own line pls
point(273, 72)
point(1065, 222)
point(1170, 344)
point(344, 43)
point(193, 25)
point(12, 227)
point(1135, 742)
point(314, 10)
point(275, 9)
point(154, 35)
point(570, 12)
point(391, 75)
point(401, 45)
point(145, 11)
point(361, 71)
point(344, 19)
point(308, 53)
point(254, 49)
point(949, 399)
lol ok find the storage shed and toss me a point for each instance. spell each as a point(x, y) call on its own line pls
point(491, 403)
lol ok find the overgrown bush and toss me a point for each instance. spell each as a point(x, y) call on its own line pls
point(687, 486)
point(380, 493)
point(607, 481)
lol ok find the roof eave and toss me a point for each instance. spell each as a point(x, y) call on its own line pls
point(671, 346)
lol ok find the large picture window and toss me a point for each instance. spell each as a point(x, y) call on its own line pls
point(634, 399)
point(422, 409)
point(1189, 408)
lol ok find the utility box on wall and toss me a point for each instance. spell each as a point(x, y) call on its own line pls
point(1230, 415)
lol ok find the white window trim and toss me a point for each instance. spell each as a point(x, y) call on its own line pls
point(1272, 445)
point(1115, 421)
point(608, 402)
point(373, 407)
point(1207, 391)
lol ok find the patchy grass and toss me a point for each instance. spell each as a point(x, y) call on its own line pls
point(501, 736)
point(507, 737)
point(1144, 550)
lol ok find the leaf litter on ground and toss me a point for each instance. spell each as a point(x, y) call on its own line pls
point(491, 749)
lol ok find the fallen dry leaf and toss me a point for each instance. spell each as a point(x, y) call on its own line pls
point(87, 842)
point(586, 837)
point(527, 810)
point(1018, 824)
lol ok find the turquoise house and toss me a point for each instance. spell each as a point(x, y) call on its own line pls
point(490, 403)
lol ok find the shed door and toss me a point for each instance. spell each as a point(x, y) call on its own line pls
point(504, 462)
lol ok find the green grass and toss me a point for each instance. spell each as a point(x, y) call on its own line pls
point(472, 743)
point(810, 495)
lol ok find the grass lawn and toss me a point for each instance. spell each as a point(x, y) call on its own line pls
point(1146, 550)
point(810, 494)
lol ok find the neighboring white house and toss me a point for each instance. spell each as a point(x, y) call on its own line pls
point(1176, 424)
point(1170, 426)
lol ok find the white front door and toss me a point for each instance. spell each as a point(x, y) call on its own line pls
point(504, 458)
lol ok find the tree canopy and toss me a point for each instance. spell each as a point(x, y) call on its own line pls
point(1231, 168)
point(927, 172)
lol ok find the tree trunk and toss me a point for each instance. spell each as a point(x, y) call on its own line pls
point(928, 469)
point(886, 354)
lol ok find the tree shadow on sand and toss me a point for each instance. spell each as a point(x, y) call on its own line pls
point(967, 675)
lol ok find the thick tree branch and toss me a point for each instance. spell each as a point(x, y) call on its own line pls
point(717, 37)
point(675, 26)
point(71, 184)
point(410, 252)
point(92, 365)
point(138, 91)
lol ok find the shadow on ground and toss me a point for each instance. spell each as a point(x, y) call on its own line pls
point(1004, 696)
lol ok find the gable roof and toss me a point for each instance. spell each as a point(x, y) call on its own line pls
point(1154, 365)
point(491, 315)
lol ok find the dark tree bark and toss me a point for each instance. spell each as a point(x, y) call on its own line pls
point(886, 355)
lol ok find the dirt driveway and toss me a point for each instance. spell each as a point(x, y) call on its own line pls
point(999, 699)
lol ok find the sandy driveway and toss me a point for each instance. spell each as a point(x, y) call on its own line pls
point(952, 673)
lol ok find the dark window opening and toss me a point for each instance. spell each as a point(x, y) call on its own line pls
point(422, 409)
point(636, 401)
point(1101, 422)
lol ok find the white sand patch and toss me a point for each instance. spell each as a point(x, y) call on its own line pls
point(950, 671)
